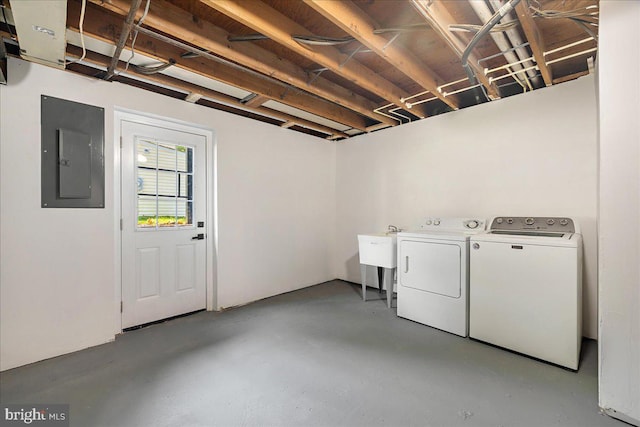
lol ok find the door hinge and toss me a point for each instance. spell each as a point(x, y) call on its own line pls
point(120, 224)
point(121, 306)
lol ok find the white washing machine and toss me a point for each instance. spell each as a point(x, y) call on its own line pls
point(526, 287)
point(433, 273)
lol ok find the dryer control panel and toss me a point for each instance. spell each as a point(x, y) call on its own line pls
point(534, 223)
point(454, 224)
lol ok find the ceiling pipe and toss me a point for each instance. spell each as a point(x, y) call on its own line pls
point(505, 66)
point(573, 55)
point(579, 42)
point(508, 7)
point(504, 76)
point(501, 40)
point(422, 101)
point(514, 37)
point(398, 113)
point(379, 111)
point(124, 35)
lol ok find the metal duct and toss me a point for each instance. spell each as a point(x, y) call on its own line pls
point(515, 39)
point(41, 28)
point(484, 13)
point(480, 34)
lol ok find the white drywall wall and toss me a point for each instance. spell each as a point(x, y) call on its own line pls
point(533, 154)
point(276, 216)
point(619, 209)
point(285, 200)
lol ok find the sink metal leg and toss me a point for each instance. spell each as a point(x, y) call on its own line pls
point(363, 277)
point(388, 280)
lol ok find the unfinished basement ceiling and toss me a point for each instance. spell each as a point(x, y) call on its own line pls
point(330, 68)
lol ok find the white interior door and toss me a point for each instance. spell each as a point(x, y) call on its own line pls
point(164, 211)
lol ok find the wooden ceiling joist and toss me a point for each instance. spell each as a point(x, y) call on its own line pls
point(161, 79)
point(170, 19)
point(279, 28)
point(356, 23)
point(329, 68)
point(106, 27)
point(256, 101)
point(439, 18)
point(534, 37)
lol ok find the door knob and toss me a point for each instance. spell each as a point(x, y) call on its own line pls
point(198, 237)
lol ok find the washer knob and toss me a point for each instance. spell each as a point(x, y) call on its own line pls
point(436, 222)
point(472, 224)
point(551, 221)
point(510, 221)
point(529, 221)
point(499, 220)
point(564, 221)
point(428, 222)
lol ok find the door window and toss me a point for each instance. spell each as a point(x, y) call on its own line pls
point(164, 179)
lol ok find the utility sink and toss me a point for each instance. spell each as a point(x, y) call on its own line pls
point(378, 249)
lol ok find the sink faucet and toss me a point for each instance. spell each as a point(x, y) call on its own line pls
point(393, 229)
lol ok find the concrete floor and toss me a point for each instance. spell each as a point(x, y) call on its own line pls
point(315, 357)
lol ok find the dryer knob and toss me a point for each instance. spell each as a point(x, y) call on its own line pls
point(499, 220)
point(436, 222)
point(529, 221)
point(510, 221)
point(428, 222)
point(472, 224)
point(476, 246)
point(564, 221)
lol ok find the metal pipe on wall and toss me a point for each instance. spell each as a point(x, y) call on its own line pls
point(514, 37)
point(480, 34)
point(500, 39)
point(124, 35)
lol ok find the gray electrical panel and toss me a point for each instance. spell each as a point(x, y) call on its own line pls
point(72, 167)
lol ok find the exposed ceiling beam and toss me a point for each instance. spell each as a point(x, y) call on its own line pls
point(356, 23)
point(534, 37)
point(279, 28)
point(170, 19)
point(106, 27)
point(571, 77)
point(256, 101)
point(104, 61)
point(439, 18)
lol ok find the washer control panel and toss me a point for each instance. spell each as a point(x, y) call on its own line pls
point(552, 224)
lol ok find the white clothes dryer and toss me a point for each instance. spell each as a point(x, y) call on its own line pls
point(433, 273)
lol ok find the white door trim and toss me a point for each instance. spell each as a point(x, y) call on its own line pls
point(121, 114)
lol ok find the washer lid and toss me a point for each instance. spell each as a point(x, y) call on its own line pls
point(532, 233)
point(529, 238)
